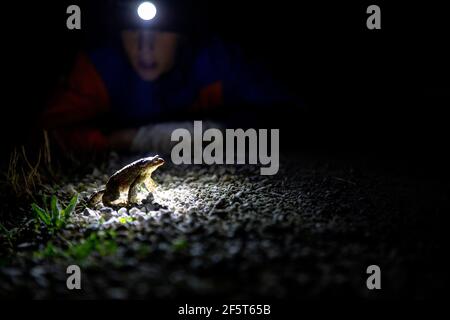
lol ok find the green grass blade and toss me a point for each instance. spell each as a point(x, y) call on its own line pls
point(70, 207)
point(45, 201)
point(42, 214)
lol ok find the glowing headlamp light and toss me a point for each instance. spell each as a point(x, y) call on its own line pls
point(147, 11)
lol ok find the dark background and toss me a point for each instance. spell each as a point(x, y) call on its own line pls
point(382, 93)
point(379, 96)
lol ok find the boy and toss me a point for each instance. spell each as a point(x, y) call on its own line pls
point(121, 97)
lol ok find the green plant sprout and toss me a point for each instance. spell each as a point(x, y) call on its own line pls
point(56, 217)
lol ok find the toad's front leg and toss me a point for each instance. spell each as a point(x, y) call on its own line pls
point(150, 184)
point(134, 191)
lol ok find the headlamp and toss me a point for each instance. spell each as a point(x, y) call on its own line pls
point(147, 11)
point(167, 15)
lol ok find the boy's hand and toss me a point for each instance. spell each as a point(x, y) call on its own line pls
point(157, 137)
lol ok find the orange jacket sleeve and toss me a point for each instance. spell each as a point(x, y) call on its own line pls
point(83, 99)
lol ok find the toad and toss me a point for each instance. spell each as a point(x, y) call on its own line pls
point(128, 180)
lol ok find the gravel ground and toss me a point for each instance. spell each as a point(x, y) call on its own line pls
point(224, 231)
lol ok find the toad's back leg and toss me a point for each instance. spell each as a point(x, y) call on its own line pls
point(111, 194)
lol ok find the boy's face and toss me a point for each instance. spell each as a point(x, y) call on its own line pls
point(151, 53)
